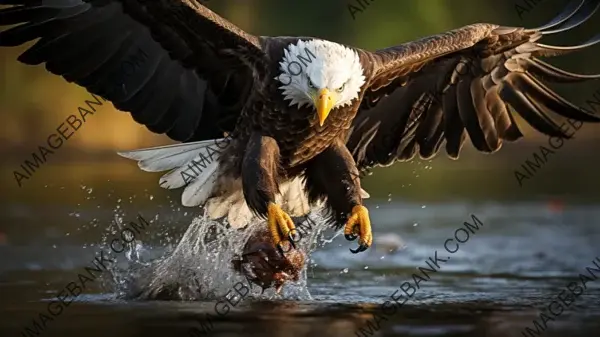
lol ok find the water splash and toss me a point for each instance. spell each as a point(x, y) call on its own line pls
point(199, 266)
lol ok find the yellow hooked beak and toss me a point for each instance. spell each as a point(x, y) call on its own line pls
point(324, 103)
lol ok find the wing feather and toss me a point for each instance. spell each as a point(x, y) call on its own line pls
point(176, 66)
point(454, 126)
point(430, 133)
point(470, 116)
point(474, 76)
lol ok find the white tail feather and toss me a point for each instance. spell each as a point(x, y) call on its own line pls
point(173, 179)
point(199, 166)
point(201, 188)
point(162, 158)
point(195, 164)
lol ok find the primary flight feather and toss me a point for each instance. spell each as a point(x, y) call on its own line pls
point(273, 125)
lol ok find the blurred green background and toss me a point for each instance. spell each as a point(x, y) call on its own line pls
point(33, 103)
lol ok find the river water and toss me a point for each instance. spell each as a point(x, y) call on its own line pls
point(504, 274)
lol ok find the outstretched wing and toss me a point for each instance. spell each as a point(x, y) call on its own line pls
point(176, 66)
point(461, 82)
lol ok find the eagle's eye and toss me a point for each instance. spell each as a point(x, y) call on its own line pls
point(310, 83)
point(340, 89)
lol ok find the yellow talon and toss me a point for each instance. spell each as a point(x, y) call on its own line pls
point(280, 225)
point(360, 217)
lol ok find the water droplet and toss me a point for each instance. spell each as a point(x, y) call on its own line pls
point(415, 224)
point(381, 258)
point(366, 267)
point(423, 206)
point(344, 271)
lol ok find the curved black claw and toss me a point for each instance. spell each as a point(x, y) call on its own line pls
point(360, 248)
point(280, 249)
point(352, 236)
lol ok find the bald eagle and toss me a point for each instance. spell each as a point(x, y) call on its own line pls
point(296, 119)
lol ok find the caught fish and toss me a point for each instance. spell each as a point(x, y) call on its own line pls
point(265, 265)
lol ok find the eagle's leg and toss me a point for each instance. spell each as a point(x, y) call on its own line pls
point(333, 174)
point(260, 174)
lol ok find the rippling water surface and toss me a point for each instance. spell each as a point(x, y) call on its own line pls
point(517, 262)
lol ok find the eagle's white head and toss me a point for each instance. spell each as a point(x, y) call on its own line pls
point(321, 74)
